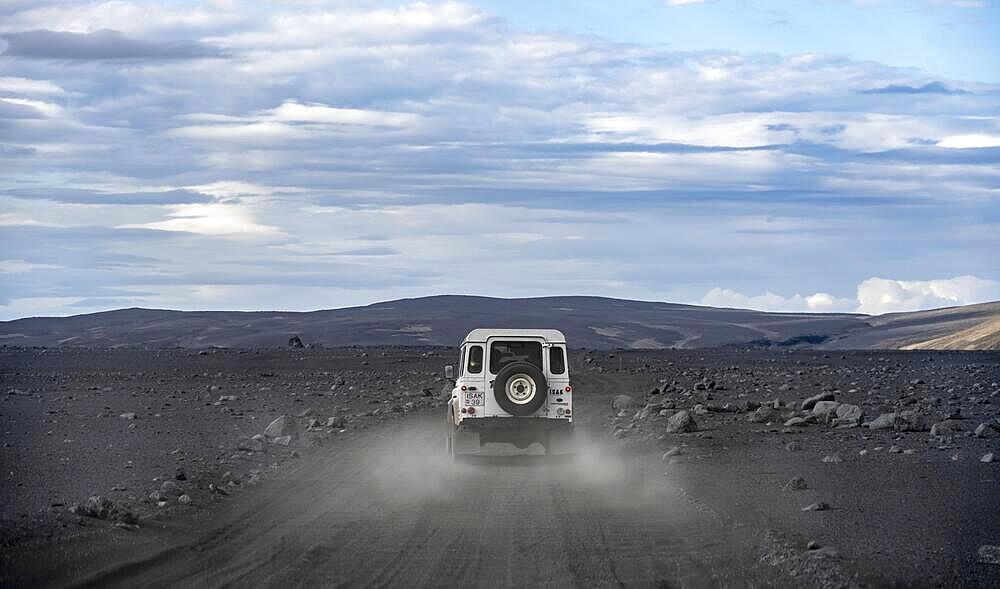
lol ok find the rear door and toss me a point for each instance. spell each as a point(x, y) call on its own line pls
point(504, 350)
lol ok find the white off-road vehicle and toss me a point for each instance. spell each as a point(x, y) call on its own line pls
point(512, 386)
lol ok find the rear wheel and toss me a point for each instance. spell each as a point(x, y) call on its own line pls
point(520, 389)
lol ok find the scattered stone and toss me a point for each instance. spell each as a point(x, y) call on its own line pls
point(849, 414)
point(809, 403)
point(988, 457)
point(894, 449)
point(254, 444)
point(942, 428)
point(170, 489)
point(825, 552)
point(910, 421)
point(681, 422)
point(128, 416)
point(987, 430)
point(796, 484)
point(100, 507)
point(884, 421)
point(989, 554)
point(832, 458)
point(227, 398)
point(295, 342)
point(282, 440)
point(818, 506)
point(674, 451)
point(793, 446)
point(813, 545)
point(763, 414)
point(126, 527)
point(796, 422)
point(825, 409)
point(282, 426)
point(180, 475)
point(184, 499)
point(622, 402)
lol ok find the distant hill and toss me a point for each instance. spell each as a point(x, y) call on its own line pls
point(592, 322)
point(969, 327)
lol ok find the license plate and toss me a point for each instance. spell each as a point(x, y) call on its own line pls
point(474, 398)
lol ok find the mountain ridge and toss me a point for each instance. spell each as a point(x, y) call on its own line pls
point(587, 321)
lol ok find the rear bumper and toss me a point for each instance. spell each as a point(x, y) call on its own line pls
point(521, 424)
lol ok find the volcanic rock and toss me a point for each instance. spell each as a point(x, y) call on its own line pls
point(796, 484)
point(848, 413)
point(809, 403)
point(622, 402)
point(825, 409)
point(989, 554)
point(910, 421)
point(884, 421)
point(282, 426)
point(818, 506)
point(681, 422)
point(987, 430)
point(763, 414)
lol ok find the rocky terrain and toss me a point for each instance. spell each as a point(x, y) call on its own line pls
point(696, 468)
point(150, 431)
point(592, 322)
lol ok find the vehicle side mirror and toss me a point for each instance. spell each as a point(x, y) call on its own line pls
point(449, 372)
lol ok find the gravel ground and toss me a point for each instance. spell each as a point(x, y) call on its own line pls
point(911, 504)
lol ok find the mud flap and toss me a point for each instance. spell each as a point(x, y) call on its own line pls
point(560, 442)
point(465, 442)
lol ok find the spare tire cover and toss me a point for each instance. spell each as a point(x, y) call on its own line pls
point(520, 389)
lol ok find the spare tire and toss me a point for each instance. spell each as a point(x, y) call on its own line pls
point(520, 389)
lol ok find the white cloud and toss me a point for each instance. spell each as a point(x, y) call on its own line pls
point(820, 302)
point(210, 219)
point(293, 111)
point(17, 85)
point(970, 141)
point(47, 109)
point(22, 266)
point(881, 295)
point(875, 296)
point(682, 2)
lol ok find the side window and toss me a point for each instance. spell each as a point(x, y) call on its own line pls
point(557, 361)
point(475, 359)
point(461, 363)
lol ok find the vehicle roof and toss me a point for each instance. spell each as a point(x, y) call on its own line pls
point(550, 335)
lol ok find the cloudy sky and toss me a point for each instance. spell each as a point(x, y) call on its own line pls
point(827, 155)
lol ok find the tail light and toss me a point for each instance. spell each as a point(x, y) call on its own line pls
point(463, 387)
point(472, 410)
point(464, 410)
point(569, 412)
point(569, 389)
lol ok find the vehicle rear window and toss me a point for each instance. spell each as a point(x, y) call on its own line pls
point(557, 360)
point(503, 353)
point(476, 359)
